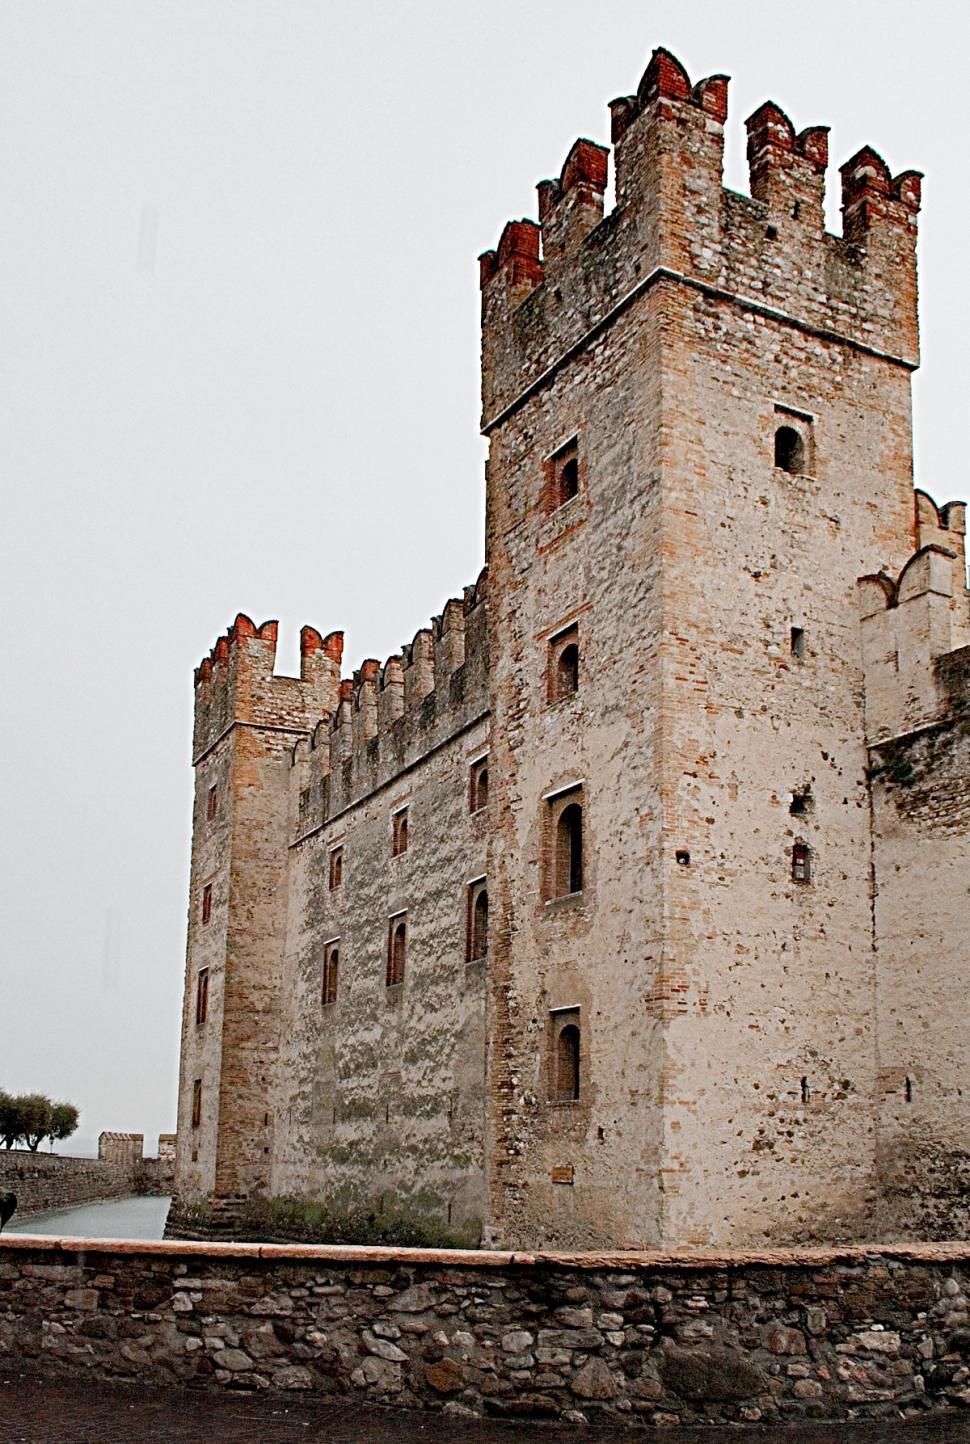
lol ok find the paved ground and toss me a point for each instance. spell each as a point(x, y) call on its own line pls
point(120, 1218)
point(40, 1412)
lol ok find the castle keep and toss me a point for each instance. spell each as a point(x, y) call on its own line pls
point(627, 905)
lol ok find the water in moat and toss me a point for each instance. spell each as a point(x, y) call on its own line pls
point(142, 1218)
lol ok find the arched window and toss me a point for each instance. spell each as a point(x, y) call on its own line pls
point(567, 1064)
point(567, 670)
point(331, 965)
point(568, 480)
point(396, 949)
point(399, 832)
point(478, 922)
point(789, 450)
point(478, 785)
point(569, 850)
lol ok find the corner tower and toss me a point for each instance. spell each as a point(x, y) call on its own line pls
point(698, 413)
point(247, 721)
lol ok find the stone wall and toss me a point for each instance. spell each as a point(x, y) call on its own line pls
point(44, 1181)
point(625, 1338)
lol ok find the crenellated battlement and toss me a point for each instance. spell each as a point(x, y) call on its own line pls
point(913, 622)
point(550, 284)
point(237, 683)
point(386, 715)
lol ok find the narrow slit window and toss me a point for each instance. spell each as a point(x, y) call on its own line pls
point(304, 803)
point(797, 643)
point(207, 902)
point(477, 945)
point(478, 785)
point(336, 867)
point(396, 950)
point(197, 1103)
point(801, 862)
point(569, 850)
point(212, 803)
point(202, 997)
point(331, 966)
point(806, 1091)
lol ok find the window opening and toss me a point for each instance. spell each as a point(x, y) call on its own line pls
point(331, 965)
point(806, 1091)
point(478, 785)
point(477, 946)
point(336, 867)
point(798, 643)
point(909, 1090)
point(567, 1063)
point(801, 802)
point(569, 850)
point(396, 949)
point(207, 902)
point(801, 862)
point(563, 475)
point(789, 450)
point(399, 832)
point(304, 802)
point(212, 803)
point(196, 1102)
point(202, 997)
point(563, 664)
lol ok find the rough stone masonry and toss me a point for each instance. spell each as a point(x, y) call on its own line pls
point(626, 906)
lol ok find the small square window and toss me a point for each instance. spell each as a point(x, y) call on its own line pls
point(478, 785)
point(207, 902)
point(336, 867)
point(212, 803)
point(399, 832)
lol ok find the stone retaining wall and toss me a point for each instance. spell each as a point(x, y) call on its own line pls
point(45, 1181)
point(635, 1338)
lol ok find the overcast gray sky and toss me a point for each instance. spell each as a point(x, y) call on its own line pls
point(239, 371)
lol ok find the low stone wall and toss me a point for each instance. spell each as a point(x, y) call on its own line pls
point(637, 1338)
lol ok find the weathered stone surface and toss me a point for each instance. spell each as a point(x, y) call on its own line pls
point(715, 1374)
point(594, 1381)
point(446, 1376)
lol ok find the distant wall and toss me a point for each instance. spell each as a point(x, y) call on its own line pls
point(45, 1181)
point(647, 1338)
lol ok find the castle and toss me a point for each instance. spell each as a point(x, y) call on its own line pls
point(627, 905)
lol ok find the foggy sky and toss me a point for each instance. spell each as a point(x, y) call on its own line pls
point(239, 371)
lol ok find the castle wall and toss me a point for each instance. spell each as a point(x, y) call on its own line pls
point(380, 1096)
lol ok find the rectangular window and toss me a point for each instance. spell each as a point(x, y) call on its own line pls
point(478, 785)
point(331, 965)
point(212, 803)
point(202, 997)
point(801, 862)
point(196, 1102)
point(399, 832)
point(207, 902)
point(798, 643)
point(336, 867)
point(304, 803)
point(476, 927)
point(562, 665)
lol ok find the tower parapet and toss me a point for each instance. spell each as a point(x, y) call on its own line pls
point(549, 287)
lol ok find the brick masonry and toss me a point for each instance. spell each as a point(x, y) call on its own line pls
point(698, 410)
point(625, 1338)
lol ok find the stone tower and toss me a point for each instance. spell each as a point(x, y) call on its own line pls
point(698, 413)
point(247, 721)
